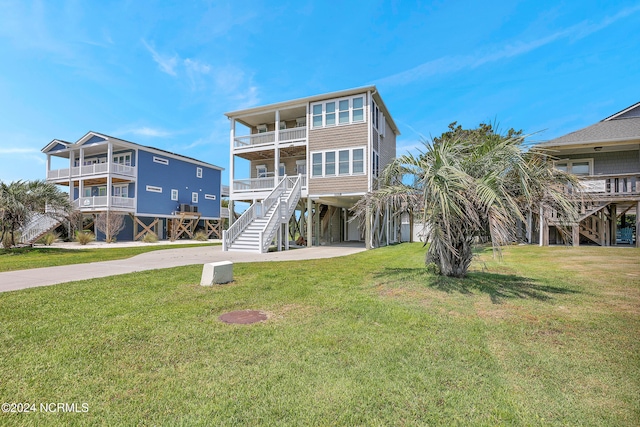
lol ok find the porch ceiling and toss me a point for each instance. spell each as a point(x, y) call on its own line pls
point(270, 116)
point(295, 151)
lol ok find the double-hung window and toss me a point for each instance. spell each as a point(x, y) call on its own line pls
point(349, 161)
point(329, 163)
point(348, 110)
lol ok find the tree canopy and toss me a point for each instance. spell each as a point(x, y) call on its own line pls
point(20, 200)
point(468, 183)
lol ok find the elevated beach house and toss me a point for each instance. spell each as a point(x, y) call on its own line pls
point(302, 164)
point(606, 157)
point(157, 191)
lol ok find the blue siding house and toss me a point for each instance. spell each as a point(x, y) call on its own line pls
point(158, 191)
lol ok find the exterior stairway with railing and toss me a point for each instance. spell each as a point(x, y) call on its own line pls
point(38, 225)
point(257, 226)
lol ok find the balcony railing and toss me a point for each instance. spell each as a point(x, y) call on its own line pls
point(285, 135)
point(101, 202)
point(94, 169)
point(260, 184)
point(610, 185)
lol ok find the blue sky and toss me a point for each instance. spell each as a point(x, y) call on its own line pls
point(163, 73)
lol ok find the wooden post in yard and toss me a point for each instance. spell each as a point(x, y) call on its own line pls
point(614, 224)
point(575, 235)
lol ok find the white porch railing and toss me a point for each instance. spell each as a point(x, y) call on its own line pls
point(253, 184)
point(260, 184)
point(101, 202)
point(254, 139)
point(284, 135)
point(611, 185)
point(293, 134)
point(93, 169)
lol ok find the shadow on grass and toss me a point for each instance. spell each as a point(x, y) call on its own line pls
point(499, 287)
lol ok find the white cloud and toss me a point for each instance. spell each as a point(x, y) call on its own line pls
point(145, 131)
point(450, 64)
point(167, 64)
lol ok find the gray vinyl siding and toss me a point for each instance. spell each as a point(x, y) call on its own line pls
point(347, 136)
point(611, 163)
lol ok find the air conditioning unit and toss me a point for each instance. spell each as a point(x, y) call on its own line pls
point(185, 207)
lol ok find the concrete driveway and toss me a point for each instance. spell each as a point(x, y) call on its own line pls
point(22, 279)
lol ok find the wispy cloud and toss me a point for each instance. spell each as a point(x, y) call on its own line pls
point(145, 131)
point(167, 64)
point(19, 151)
point(451, 64)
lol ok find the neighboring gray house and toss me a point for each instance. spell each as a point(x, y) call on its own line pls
point(302, 164)
point(606, 156)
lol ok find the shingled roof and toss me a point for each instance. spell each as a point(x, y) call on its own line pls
point(622, 126)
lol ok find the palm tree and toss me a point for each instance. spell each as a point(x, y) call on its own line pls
point(471, 183)
point(20, 200)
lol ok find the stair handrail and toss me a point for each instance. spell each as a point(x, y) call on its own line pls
point(256, 210)
point(269, 230)
point(230, 235)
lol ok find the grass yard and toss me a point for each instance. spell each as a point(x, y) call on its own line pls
point(550, 336)
point(36, 257)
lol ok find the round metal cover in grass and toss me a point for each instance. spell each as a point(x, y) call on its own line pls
point(243, 317)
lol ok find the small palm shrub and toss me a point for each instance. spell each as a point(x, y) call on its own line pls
point(150, 238)
point(84, 237)
point(49, 238)
point(200, 236)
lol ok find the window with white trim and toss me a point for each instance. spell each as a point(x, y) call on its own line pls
point(153, 189)
point(349, 110)
point(575, 166)
point(122, 159)
point(174, 195)
point(160, 160)
point(350, 161)
point(199, 172)
point(194, 197)
point(210, 196)
point(316, 164)
point(261, 171)
point(121, 190)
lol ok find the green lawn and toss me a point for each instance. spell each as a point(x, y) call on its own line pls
point(39, 256)
point(547, 337)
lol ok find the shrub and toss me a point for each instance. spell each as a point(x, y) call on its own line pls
point(84, 237)
point(200, 236)
point(48, 238)
point(150, 238)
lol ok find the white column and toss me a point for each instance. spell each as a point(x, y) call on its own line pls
point(48, 165)
point(109, 162)
point(232, 136)
point(81, 161)
point(276, 157)
point(309, 222)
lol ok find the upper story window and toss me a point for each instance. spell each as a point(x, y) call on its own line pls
point(160, 160)
point(377, 118)
point(337, 112)
point(576, 166)
point(122, 159)
point(199, 172)
point(262, 128)
point(349, 161)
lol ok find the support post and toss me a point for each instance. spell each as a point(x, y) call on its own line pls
point(575, 235)
point(367, 229)
point(613, 214)
point(309, 222)
point(276, 145)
